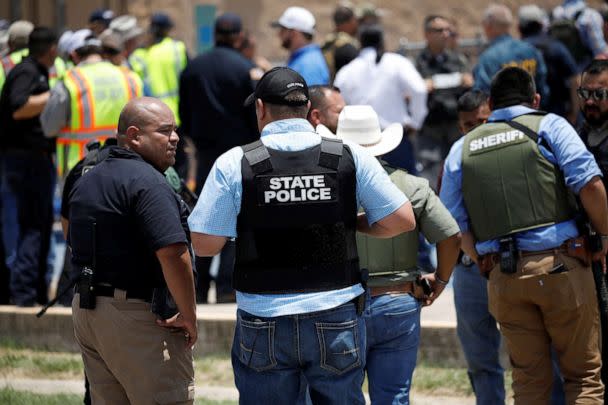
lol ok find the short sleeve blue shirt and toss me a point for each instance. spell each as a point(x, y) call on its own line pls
point(220, 203)
point(567, 151)
point(309, 62)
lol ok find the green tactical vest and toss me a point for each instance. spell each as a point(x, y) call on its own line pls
point(332, 42)
point(507, 184)
point(390, 261)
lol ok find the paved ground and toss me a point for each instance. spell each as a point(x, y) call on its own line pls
point(216, 393)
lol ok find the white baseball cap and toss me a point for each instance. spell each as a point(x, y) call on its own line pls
point(296, 18)
point(80, 39)
point(360, 124)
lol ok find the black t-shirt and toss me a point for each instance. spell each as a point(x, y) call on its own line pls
point(135, 212)
point(26, 79)
point(213, 88)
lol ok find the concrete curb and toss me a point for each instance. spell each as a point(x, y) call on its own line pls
point(438, 341)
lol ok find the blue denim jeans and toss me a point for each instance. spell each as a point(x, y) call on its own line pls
point(480, 339)
point(393, 334)
point(269, 355)
point(27, 181)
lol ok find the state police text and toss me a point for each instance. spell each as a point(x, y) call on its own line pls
point(288, 189)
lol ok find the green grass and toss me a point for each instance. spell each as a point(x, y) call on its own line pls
point(441, 380)
point(12, 397)
point(210, 370)
point(9, 396)
point(37, 364)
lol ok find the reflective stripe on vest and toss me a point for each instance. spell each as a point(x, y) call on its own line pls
point(98, 92)
point(390, 261)
point(508, 186)
point(8, 63)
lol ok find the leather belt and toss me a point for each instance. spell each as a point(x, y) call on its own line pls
point(108, 291)
point(487, 262)
point(407, 287)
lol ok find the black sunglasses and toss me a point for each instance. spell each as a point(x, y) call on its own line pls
point(432, 29)
point(597, 94)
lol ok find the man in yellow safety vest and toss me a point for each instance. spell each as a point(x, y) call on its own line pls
point(161, 64)
point(86, 104)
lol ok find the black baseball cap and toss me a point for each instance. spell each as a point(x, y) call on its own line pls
point(276, 84)
point(228, 23)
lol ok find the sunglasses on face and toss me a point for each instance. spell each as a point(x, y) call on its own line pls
point(597, 94)
point(438, 30)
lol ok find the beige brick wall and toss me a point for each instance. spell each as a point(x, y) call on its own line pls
point(403, 18)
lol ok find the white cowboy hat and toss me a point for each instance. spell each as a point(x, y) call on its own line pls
point(359, 124)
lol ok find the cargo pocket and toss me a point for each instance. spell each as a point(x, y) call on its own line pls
point(182, 394)
point(339, 346)
point(496, 294)
point(257, 344)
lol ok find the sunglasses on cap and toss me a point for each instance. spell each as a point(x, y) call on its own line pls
point(597, 94)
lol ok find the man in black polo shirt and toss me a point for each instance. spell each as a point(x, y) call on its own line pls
point(212, 89)
point(129, 243)
point(27, 171)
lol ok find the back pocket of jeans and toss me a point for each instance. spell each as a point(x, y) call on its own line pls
point(339, 345)
point(257, 344)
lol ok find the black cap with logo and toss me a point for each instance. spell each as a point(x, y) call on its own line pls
point(276, 84)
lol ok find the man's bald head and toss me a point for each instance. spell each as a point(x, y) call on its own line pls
point(147, 126)
point(139, 112)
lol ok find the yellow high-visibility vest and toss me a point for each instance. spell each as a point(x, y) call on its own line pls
point(164, 63)
point(98, 92)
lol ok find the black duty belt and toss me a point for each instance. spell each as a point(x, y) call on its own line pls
point(108, 291)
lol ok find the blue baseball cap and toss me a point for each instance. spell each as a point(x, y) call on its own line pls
point(102, 15)
point(161, 20)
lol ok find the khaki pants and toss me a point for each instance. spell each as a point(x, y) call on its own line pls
point(128, 359)
point(536, 310)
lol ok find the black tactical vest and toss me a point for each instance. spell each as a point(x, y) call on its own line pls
point(599, 151)
point(296, 228)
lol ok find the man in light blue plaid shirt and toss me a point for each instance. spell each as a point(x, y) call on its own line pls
point(315, 330)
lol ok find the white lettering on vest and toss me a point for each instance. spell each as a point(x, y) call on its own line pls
point(297, 189)
point(495, 139)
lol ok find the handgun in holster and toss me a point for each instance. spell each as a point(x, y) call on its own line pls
point(86, 288)
point(86, 280)
point(163, 303)
point(581, 248)
point(508, 255)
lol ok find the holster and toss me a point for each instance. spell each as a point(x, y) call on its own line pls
point(486, 263)
point(579, 249)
